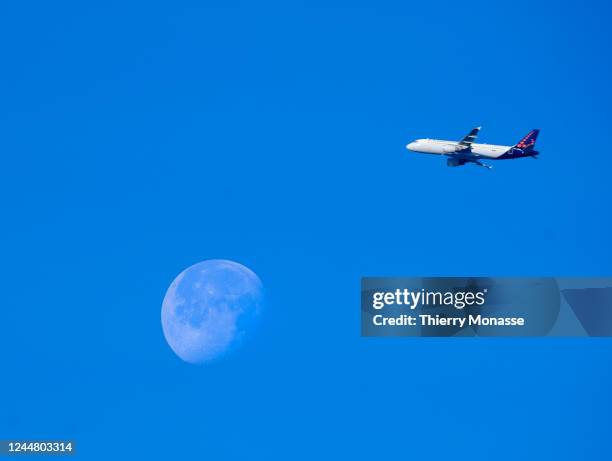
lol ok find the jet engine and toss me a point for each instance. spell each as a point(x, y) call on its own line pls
point(455, 162)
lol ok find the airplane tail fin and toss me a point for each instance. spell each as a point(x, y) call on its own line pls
point(527, 144)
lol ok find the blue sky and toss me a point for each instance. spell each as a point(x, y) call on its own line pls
point(140, 139)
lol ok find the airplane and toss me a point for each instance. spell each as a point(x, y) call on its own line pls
point(467, 151)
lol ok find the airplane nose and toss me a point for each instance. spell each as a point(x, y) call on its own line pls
point(410, 146)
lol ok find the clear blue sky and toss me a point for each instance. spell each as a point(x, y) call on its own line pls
point(139, 139)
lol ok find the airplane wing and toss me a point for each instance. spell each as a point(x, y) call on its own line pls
point(466, 142)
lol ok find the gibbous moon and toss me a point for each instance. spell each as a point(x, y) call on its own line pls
point(210, 308)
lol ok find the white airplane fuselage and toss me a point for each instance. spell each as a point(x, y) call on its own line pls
point(440, 147)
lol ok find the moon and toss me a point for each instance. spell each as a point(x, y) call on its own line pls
point(210, 309)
